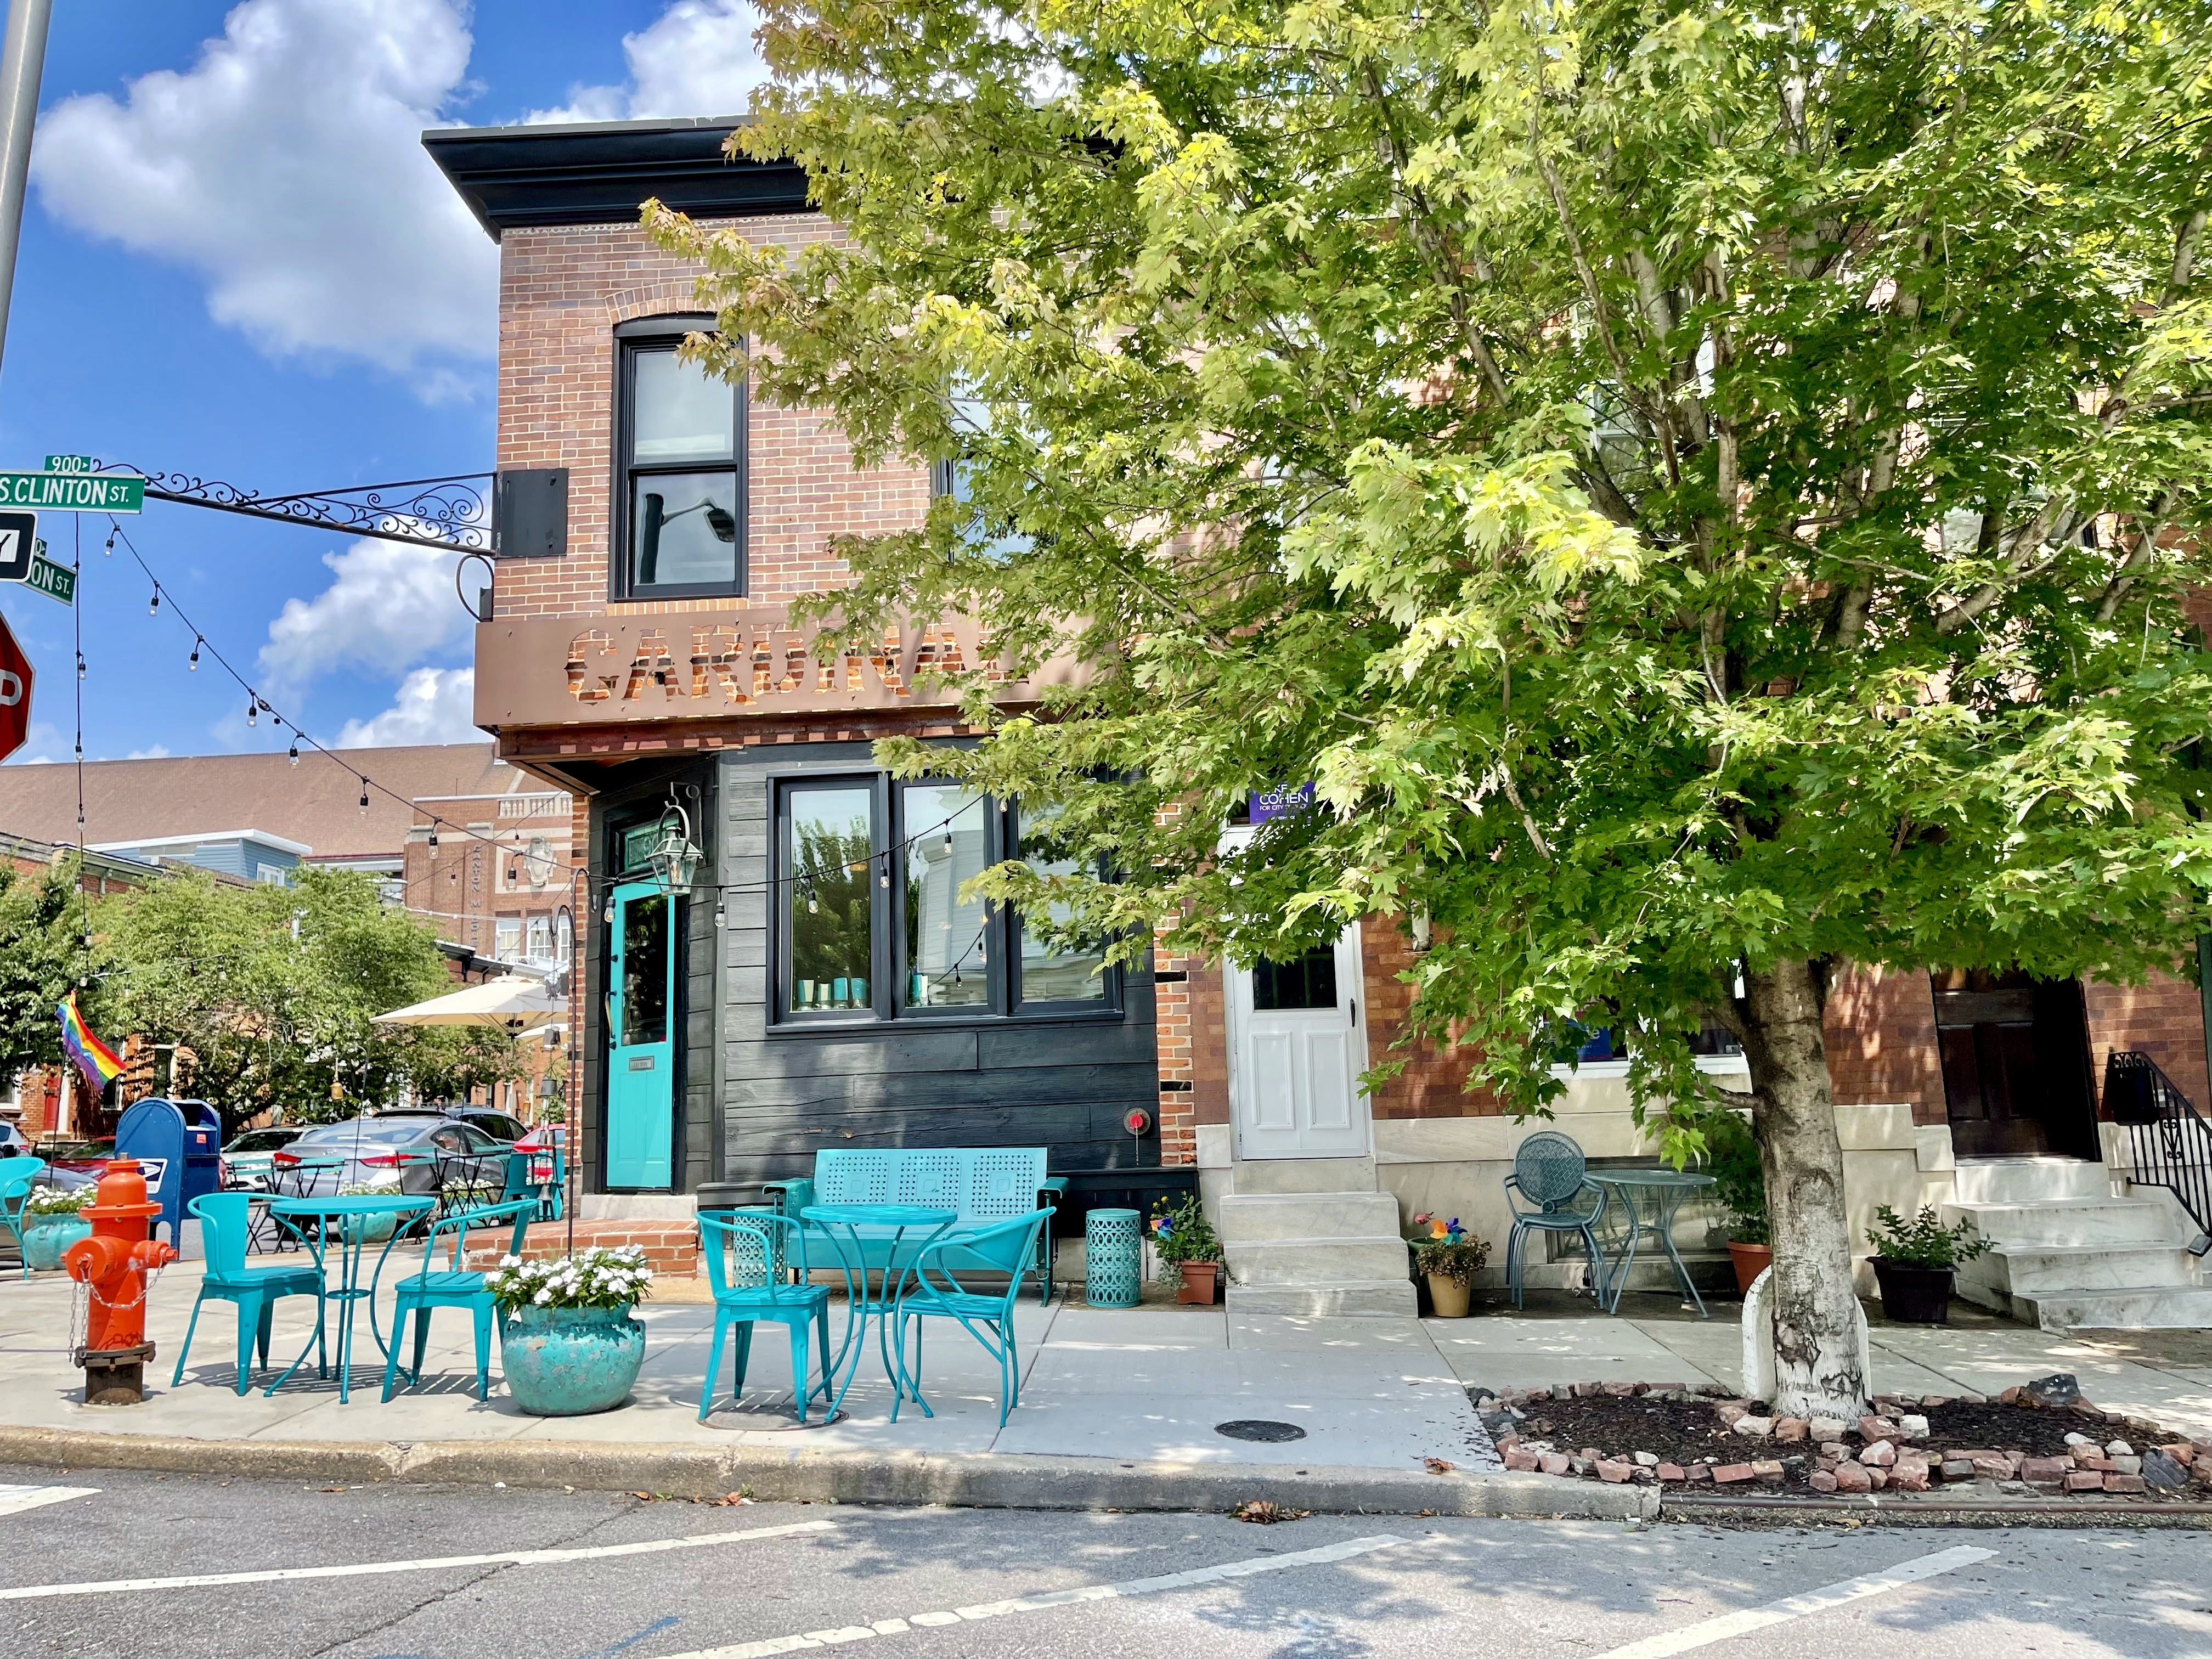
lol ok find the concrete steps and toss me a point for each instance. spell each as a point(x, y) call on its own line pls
point(2068, 1255)
point(1314, 1252)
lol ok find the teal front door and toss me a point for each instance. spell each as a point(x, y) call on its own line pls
point(641, 1052)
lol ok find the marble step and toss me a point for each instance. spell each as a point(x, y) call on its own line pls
point(2029, 1180)
point(1302, 1175)
point(1259, 1217)
point(1318, 1261)
point(2062, 1269)
point(2068, 1221)
point(1351, 1297)
point(2168, 1309)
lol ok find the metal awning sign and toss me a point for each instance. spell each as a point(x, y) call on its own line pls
point(73, 492)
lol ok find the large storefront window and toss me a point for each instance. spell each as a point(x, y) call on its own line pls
point(874, 923)
point(829, 857)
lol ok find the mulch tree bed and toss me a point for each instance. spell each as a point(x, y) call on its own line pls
point(1692, 1438)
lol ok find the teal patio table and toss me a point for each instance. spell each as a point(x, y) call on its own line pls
point(851, 1228)
point(352, 1213)
point(1650, 1198)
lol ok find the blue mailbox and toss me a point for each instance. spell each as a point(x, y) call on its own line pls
point(179, 1144)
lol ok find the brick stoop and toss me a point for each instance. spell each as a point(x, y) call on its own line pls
point(672, 1248)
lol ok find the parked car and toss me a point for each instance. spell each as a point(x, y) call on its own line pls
point(246, 1160)
point(14, 1143)
point(88, 1158)
point(499, 1125)
point(372, 1151)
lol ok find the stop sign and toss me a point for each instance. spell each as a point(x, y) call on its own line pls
point(14, 693)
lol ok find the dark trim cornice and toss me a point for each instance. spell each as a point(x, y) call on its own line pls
point(601, 174)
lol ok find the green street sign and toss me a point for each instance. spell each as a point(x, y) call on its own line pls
point(71, 492)
point(71, 464)
point(55, 582)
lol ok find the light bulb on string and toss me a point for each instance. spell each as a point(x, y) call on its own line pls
point(434, 836)
point(884, 879)
point(109, 551)
point(252, 709)
point(154, 605)
point(194, 665)
point(294, 755)
point(364, 794)
point(80, 665)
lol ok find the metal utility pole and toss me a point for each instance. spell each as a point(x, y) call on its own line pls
point(22, 61)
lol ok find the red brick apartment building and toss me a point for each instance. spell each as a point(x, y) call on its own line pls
point(821, 984)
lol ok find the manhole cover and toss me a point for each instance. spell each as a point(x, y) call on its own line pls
point(1258, 1428)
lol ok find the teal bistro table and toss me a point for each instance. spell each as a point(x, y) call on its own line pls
point(885, 1237)
point(1649, 1199)
point(356, 1216)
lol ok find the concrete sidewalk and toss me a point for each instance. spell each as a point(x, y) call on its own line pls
point(1145, 1384)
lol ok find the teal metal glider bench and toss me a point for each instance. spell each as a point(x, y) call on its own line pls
point(982, 1184)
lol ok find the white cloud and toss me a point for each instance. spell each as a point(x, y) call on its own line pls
point(433, 705)
point(286, 167)
point(393, 604)
point(697, 58)
point(157, 751)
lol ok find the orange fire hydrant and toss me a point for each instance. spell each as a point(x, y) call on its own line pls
point(114, 1264)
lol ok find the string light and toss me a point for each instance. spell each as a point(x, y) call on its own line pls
point(109, 551)
point(80, 665)
point(294, 755)
point(154, 605)
point(252, 708)
point(433, 835)
point(364, 794)
point(194, 665)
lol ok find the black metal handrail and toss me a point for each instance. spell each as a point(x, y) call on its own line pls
point(2169, 1140)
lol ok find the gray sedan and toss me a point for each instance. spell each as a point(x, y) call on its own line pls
point(421, 1153)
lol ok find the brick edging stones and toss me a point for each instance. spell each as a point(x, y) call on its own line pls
point(1709, 1453)
point(827, 1475)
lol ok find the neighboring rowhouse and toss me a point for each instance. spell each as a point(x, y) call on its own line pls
point(823, 986)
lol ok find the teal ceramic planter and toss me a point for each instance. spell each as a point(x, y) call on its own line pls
point(46, 1237)
point(568, 1361)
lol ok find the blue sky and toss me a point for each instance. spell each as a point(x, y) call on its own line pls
point(237, 263)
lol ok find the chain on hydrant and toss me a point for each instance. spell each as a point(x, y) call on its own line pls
point(114, 1265)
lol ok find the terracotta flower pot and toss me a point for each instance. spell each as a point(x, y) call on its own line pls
point(1914, 1296)
point(1751, 1261)
point(1449, 1296)
point(1200, 1279)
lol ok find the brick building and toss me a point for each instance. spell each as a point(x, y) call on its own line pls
point(822, 985)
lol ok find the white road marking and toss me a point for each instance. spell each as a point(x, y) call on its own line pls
point(1325, 1555)
point(430, 1563)
point(1731, 1625)
point(14, 1500)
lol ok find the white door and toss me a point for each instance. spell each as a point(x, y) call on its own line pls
point(1297, 1049)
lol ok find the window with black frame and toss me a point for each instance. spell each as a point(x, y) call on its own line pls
point(871, 878)
point(680, 474)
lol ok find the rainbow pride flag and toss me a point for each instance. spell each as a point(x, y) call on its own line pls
point(94, 1058)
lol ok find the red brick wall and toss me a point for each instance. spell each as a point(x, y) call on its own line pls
point(1880, 1033)
point(562, 292)
point(2162, 1018)
point(1434, 1082)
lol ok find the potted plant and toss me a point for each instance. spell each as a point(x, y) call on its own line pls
point(1915, 1263)
point(567, 1341)
point(1449, 1256)
point(1740, 1184)
point(370, 1229)
point(52, 1221)
point(1184, 1239)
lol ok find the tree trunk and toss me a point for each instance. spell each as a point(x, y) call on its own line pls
point(1816, 1312)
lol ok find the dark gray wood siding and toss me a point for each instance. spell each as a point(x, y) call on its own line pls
point(1063, 1085)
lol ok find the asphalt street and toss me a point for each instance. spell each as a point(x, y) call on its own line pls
point(417, 1572)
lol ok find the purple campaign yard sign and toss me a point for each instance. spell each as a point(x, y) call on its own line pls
point(1280, 803)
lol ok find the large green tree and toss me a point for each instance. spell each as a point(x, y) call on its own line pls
point(273, 992)
point(44, 956)
point(1706, 490)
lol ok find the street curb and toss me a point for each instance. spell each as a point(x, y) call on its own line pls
point(957, 1479)
point(1915, 1510)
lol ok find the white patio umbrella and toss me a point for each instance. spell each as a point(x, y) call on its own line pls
point(510, 1003)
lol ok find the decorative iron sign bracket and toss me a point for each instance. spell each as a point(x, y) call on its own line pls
point(452, 513)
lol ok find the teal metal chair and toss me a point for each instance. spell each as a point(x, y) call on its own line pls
point(929, 1289)
point(419, 1294)
point(1551, 1174)
point(751, 1256)
point(18, 1175)
point(226, 1226)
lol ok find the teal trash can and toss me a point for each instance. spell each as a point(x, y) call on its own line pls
point(1113, 1258)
